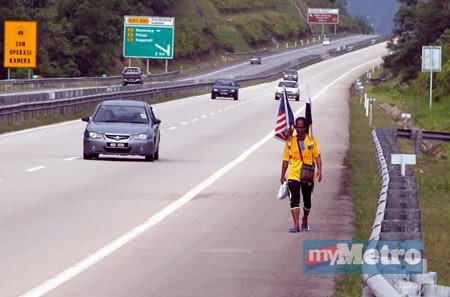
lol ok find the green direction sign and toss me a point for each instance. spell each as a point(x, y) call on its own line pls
point(148, 37)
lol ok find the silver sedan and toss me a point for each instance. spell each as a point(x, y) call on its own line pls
point(122, 127)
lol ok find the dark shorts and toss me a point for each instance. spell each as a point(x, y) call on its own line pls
point(295, 188)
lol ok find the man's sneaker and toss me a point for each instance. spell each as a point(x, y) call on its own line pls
point(305, 227)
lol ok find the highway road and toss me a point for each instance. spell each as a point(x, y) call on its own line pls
point(232, 70)
point(201, 221)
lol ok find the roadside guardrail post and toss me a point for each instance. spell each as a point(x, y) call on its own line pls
point(417, 141)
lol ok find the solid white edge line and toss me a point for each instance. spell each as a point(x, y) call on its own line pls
point(35, 168)
point(108, 249)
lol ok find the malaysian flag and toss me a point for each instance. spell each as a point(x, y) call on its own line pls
point(285, 118)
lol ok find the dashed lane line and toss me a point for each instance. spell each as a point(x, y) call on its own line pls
point(33, 169)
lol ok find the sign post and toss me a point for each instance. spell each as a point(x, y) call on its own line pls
point(148, 37)
point(20, 48)
point(431, 61)
point(323, 16)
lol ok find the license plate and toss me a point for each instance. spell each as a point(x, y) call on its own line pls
point(223, 93)
point(117, 144)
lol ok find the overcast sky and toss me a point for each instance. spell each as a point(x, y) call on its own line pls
point(380, 13)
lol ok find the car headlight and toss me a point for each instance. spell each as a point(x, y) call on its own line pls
point(296, 91)
point(141, 136)
point(215, 90)
point(95, 135)
point(232, 91)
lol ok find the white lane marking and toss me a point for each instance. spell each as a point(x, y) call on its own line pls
point(71, 158)
point(35, 168)
point(1, 180)
point(219, 110)
point(37, 129)
point(195, 119)
point(211, 113)
point(184, 123)
point(171, 128)
point(226, 108)
point(204, 116)
point(108, 249)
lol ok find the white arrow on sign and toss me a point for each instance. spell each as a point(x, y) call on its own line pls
point(167, 51)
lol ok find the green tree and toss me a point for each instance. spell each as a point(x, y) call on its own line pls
point(417, 24)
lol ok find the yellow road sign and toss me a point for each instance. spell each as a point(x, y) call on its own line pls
point(20, 44)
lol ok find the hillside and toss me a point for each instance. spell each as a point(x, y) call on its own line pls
point(84, 38)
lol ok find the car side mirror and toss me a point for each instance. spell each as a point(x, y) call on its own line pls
point(86, 119)
point(157, 121)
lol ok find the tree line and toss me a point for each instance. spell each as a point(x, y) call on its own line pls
point(76, 38)
point(418, 23)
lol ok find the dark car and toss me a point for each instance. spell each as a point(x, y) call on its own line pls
point(225, 88)
point(255, 60)
point(132, 75)
point(290, 74)
point(122, 127)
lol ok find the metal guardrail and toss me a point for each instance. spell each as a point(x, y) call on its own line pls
point(398, 217)
point(22, 112)
point(408, 133)
point(30, 84)
point(357, 45)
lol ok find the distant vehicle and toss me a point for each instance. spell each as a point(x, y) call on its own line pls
point(122, 127)
point(132, 75)
point(326, 41)
point(292, 90)
point(225, 88)
point(255, 60)
point(290, 74)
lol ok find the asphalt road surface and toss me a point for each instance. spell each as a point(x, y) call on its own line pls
point(201, 221)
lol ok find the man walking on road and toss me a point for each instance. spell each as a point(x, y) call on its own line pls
point(300, 149)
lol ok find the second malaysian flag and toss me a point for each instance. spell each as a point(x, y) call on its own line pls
point(285, 118)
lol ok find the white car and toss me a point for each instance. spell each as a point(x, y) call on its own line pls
point(291, 87)
point(326, 41)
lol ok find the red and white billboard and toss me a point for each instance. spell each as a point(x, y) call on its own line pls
point(323, 15)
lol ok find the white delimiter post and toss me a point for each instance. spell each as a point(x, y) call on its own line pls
point(367, 106)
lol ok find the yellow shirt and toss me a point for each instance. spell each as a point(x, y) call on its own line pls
point(310, 150)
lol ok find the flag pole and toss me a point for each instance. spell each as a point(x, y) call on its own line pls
point(308, 100)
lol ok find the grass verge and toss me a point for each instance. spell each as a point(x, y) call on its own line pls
point(364, 185)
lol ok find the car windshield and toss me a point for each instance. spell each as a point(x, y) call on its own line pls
point(223, 82)
point(121, 114)
point(132, 70)
point(291, 72)
point(287, 84)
